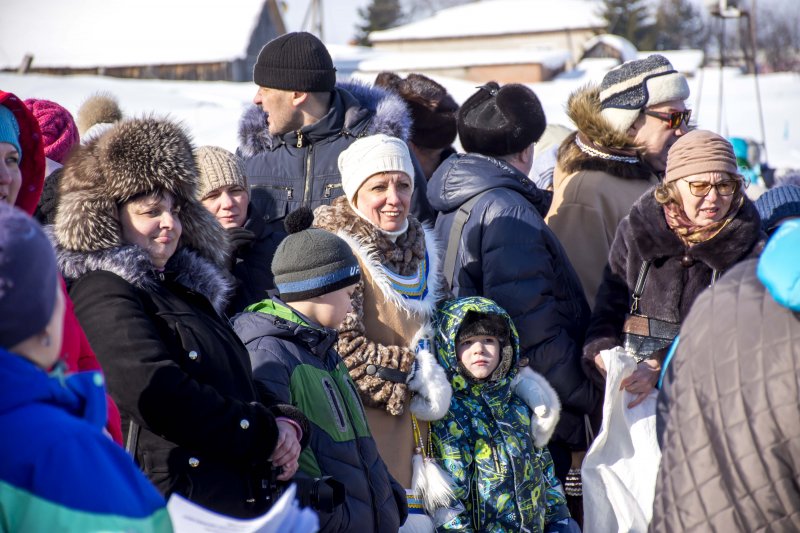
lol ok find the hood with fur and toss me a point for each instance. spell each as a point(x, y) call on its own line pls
point(352, 103)
point(134, 157)
point(583, 108)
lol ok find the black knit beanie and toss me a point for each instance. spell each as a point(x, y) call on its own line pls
point(295, 62)
point(500, 121)
point(311, 262)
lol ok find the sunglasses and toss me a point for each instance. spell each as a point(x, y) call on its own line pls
point(674, 119)
point(724, 188)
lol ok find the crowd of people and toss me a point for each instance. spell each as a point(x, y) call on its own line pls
point(410, 334)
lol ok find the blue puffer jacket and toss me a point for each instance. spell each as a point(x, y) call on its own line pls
point(508, 254)
point(59, 472)
point(301, 167)
point(296, 360)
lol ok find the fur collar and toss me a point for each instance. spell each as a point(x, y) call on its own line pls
point(132, 264)
point(655, 239)
point(583, 108)
point(374, 250)
point(386, 111)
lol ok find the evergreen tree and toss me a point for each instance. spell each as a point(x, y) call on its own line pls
point(378, 15)
point(632, 19)
point(680, 24)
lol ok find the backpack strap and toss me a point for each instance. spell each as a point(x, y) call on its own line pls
point(133, 439)
point(639, 288)
point(454, 238)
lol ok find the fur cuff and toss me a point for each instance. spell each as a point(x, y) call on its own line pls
point(540, 396)
point(431, 388)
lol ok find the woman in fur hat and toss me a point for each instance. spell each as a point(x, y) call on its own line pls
point(148, 283)
point(393, 303)
point(678, 239)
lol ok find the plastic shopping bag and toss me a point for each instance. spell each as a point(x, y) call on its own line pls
point(619, 471)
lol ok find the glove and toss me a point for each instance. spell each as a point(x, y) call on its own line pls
point(239, 238)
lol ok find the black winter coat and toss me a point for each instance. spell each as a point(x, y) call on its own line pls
point(179, 371)
point(301, 167)
point(677, 275)
point(252, 265)
point(298, 363)
point(508, 254)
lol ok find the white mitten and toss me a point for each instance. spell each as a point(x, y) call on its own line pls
point(432, 391)
point(540, 396)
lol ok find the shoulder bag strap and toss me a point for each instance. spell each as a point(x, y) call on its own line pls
point(454, 238)
point(639, 288)
point(133, 439)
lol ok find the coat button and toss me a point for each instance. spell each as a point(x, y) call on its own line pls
point(687, 261)
point(194, 462)
point(244, 423)
point(193, 355)
point(372, 370)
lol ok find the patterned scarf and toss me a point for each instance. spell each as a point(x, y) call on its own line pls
point(690, 233)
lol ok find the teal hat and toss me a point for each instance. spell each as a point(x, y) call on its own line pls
point(9, 128)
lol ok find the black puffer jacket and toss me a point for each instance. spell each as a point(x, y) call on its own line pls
point(178, 370)
point(508, 254)
point(677, 274)
point(297, 362)
point(729, 410)
point(252, 264)
point(301, 167)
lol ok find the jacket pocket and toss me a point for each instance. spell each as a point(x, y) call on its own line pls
point(273, 200)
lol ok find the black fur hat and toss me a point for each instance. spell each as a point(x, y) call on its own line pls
point(433, 110)
point(499, 121)
point(480, 324)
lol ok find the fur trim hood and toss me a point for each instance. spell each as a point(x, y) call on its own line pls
point(136, 156)
point(583, 108)
point(356, 109)
point(655, 239)
point(132, 264)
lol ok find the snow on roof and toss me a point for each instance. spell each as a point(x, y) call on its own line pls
point(411, 61)
point(625, 47)
point(499, 17)
point(90, 33)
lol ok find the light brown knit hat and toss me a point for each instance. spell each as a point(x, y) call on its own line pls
point(218, 168)
point(697, 152)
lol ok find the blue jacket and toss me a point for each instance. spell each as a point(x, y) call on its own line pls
point(301, 167)
point(59, 471)
point(508, 254)
point(297, 362)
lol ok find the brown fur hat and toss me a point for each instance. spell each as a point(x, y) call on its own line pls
point(433, 110)
point(134, 157)
point(100, 108)
point(499, 121)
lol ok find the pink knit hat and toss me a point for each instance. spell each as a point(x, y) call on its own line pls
point(58, 128)
point(697, 152)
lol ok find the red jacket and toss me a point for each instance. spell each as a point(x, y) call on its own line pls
point(75, 350)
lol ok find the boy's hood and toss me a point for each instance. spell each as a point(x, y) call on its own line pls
point(448, 320)
point(274, 318)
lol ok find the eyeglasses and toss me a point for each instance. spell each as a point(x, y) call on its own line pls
point(724, 188)
point(674, 119)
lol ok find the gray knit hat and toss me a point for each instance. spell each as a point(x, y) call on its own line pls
point(637, 84)
point(28, 277)
point(218, 168)
point(311, 262)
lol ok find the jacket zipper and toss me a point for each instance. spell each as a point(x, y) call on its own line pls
point(329, 187)
point(289, 190)
point(309, 158)
point(335, 403)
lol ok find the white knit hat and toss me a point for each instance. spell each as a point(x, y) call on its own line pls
point(369, 156)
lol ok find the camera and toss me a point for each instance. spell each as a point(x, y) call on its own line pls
point(322, 494)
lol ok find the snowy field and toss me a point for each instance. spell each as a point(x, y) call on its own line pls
point(211, 110)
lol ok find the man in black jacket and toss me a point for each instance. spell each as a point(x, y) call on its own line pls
point(507, 253)
point(223, 191)
point(291, 139)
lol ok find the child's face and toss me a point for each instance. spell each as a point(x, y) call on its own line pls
point(480, 355)
point(331, 308)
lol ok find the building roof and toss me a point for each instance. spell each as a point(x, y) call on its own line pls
point(498, 17)
point(416, 61)
point(92, 33)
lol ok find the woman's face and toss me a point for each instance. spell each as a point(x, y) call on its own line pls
point(384, 199)
point(10, 174)
point(229, 205)
point(712, 206)
point(153, 224)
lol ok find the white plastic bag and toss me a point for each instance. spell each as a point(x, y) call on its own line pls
point(619, 470)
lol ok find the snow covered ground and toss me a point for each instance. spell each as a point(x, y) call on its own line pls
point(211, 110)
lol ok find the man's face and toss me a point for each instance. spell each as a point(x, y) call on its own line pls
point(656, 136)
point(283, 116)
